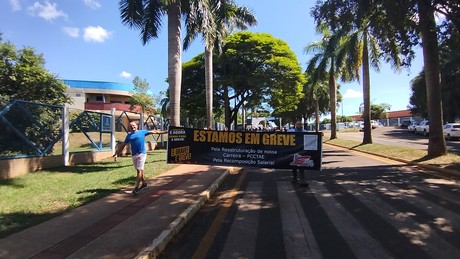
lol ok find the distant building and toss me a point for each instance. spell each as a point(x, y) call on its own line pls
point(99, 96)
point(103, 97)
point(394, 118)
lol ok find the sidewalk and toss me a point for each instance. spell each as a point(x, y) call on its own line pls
point(121, 225)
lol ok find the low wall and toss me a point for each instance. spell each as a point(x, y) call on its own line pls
point(10, 168)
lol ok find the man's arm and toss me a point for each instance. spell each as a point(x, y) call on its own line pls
point(158, 132)
point(119, 150)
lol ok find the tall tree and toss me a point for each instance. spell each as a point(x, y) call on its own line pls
point(399, 26)
point(351, 18)
point(257, 68)
point(378, 112)
point(146, 15)
point(214, 20)
point(313, 104)
point(450, 73)
point(324, 65)
point(427, 26)
point(193, 109)
point(320, 97)
point(23, 76)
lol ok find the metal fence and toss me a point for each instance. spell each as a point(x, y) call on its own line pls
point(30, 129)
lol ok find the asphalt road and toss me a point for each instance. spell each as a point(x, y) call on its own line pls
point(358, 206)
point(398, 137)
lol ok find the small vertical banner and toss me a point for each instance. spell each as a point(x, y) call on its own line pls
point(106, 123)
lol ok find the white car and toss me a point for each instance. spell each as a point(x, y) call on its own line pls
point(423, 128)
point(374, 124)
point(451, 131)
point(411, 127)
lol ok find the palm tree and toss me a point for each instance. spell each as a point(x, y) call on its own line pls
point(316, 99)
point(393, 24)
point(362, 50)
point(427, 24)
point(214, 20)
point(319, 93)
point(165, 107)
point(324, 64)
point(146, 15)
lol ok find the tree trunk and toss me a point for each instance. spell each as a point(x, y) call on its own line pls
point(317, 114)
point(209, 84)
point(436, 142)
point(228, 120)
point(367, 136)
point(174, 60)
point(333, 102)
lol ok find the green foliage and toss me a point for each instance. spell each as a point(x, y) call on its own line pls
point(140, 86)
point(344, 118)
point(31, 133)
point(24, 77)
point(377, 112)
point(326, 121)
point(254, 70)
point(258, 68)
point(193, 94)
point(417, 100)
point(450, 72)
point(316, 99)
point(141, 96)
point(325, 65)
point(450, 79)
point(87, 122)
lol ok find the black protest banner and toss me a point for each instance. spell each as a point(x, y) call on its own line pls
point(240, 148)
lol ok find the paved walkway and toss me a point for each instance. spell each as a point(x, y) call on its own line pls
point(121, 225)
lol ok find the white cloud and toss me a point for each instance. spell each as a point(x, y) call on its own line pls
point(350, 93)
point(93, 4)
point(71, 31)
point(96, 34)
point(47, 11)
point(125, 74)
point(15, 5)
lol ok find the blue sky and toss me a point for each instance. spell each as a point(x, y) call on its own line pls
point(85, 40)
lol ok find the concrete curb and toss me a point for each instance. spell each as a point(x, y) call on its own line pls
point(159, 244)
point(449, 172)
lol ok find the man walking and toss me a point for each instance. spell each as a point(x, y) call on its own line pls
point(298, 128)
point(136, 138)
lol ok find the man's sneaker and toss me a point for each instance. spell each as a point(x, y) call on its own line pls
point(294, 181)
point(136, 190)
point(143, 186)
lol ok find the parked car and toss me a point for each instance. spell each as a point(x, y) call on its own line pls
point(411, 127)
point(405, 124)
point(423, 128)
point(374, 124)
point(451, 131)
point(361, 125)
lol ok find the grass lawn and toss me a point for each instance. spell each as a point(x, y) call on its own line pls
point(449, 161)
point(37, 197)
